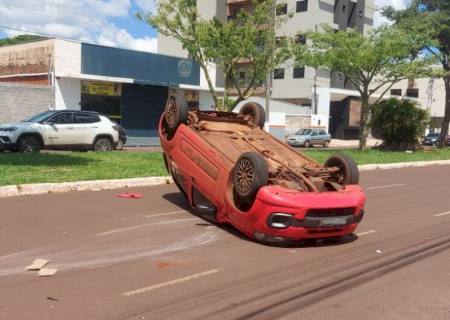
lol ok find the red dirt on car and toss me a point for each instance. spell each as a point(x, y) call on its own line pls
point(232, 171)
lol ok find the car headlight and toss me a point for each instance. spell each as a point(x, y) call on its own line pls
point(278, 220)
point(9, 129)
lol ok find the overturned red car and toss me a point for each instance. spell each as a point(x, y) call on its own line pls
point(232, 171)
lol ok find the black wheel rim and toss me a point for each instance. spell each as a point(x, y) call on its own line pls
point(244, 176)
point(30, 145)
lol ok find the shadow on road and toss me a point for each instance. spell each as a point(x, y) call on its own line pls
point(43, 159)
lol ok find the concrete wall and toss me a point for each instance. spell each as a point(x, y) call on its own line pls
point(67, 94)
point(18, 101)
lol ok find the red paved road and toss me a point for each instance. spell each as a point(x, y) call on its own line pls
point(149, 259)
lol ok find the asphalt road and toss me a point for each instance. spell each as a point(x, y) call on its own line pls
point(152, 259)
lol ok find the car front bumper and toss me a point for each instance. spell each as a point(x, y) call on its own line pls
point(295, 142)
point(314, 215)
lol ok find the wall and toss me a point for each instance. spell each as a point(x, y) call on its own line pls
point(67, 94)
point(18, 101)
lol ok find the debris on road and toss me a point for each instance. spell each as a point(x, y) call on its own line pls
point(130, 195)
point(378, 251)
point(37, 264)
point(47, 272)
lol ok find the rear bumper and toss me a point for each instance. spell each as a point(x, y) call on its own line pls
point(313, 215)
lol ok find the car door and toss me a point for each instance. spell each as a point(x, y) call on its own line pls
point(85, 127)
point(323, 136)
point(59, 129)
point(315, 138)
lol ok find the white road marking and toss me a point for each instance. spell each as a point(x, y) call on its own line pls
point(142, 226)
point(366, 233)
point(442, 214)
point(387, 186)
point(164, 214)
point(170, 283)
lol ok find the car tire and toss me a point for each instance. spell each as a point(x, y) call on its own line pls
point(307, 144)
point(326, 144)
point(348, 169)
point(103, 144)
point(250, 173)
point(254, 112)
point(174, 115)
point(29, 144)
point(120, 144)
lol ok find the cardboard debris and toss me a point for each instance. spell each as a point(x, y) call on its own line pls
point(47, 272)
point(37, 264)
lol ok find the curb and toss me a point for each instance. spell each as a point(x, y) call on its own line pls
point(43, 188)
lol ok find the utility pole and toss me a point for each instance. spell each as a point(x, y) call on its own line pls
point(268, 87)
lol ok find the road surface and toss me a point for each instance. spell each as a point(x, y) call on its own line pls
point(153, 259)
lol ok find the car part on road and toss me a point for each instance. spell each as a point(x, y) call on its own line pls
point(254, 113)
point(130, 195)
point(175, 115)
point(244, 175)
point(348, 172)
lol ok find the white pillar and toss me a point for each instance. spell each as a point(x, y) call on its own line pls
point(322, 118)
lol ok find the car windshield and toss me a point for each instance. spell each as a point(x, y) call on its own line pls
point(39, 117)
point(433, 135)
point(304, 132)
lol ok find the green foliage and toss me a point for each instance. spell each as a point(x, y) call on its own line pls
point(248, 37)
point(399, 123)
point(373, 62)
point(430, 18)
point(20, 39)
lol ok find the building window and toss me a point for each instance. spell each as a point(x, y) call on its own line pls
point(299, 73)
point(396, 92)
point(412, 93)
point(344, 8)
point(278, 73)
point(281, 9)
point(300, 39)
point(302, 6)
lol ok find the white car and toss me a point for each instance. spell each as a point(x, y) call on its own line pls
point(62, 130)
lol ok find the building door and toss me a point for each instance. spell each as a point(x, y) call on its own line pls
point(142, 107)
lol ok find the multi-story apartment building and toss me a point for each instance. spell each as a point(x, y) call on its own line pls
point(300, 86)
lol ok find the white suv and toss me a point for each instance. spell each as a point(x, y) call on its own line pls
point(63, 130)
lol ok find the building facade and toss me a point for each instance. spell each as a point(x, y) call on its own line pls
point(317, 89)
point(130, 87)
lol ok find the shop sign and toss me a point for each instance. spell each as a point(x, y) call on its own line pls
point(101, 88)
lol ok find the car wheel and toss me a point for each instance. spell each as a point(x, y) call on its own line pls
point(326, 143)
point(348, 172)
point(120, 144)
point(29, 144)
point(250, 173)
point(103, 145)
point(174, 115)
point(307, 144)
point(254, 113)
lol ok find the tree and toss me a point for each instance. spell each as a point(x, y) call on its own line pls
point(430, 18)
point(20, 39)
point(248, 37)
point(399, 123)
point(373, 61)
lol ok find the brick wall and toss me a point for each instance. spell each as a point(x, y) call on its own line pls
point(18, 101)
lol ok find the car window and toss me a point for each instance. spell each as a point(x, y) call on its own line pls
point(39, 117)
point(304, 131)
point(314, 133)
point(323, 132)
point(85, 118)
point(62, 118)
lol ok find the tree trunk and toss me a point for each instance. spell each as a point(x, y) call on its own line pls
point(445, 123)
point(363, 131)
point(204, 67)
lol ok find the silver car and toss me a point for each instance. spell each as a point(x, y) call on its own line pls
point(64, 130)
point(309, 137)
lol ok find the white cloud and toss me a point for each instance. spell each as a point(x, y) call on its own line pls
point(85, 20)
point(379, 4)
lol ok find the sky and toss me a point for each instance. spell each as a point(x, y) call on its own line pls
point(105, 22)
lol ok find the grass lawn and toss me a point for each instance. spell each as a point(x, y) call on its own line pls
point(18, 168)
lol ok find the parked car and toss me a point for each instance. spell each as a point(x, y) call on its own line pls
point(309, 137)
point(63, 130)
point(431, 139)
point(232, 171)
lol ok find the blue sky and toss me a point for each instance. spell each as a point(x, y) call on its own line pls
point(107, 22)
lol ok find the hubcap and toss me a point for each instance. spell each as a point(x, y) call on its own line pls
point(244, 173)
point(103, 145)
point(29, 145)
